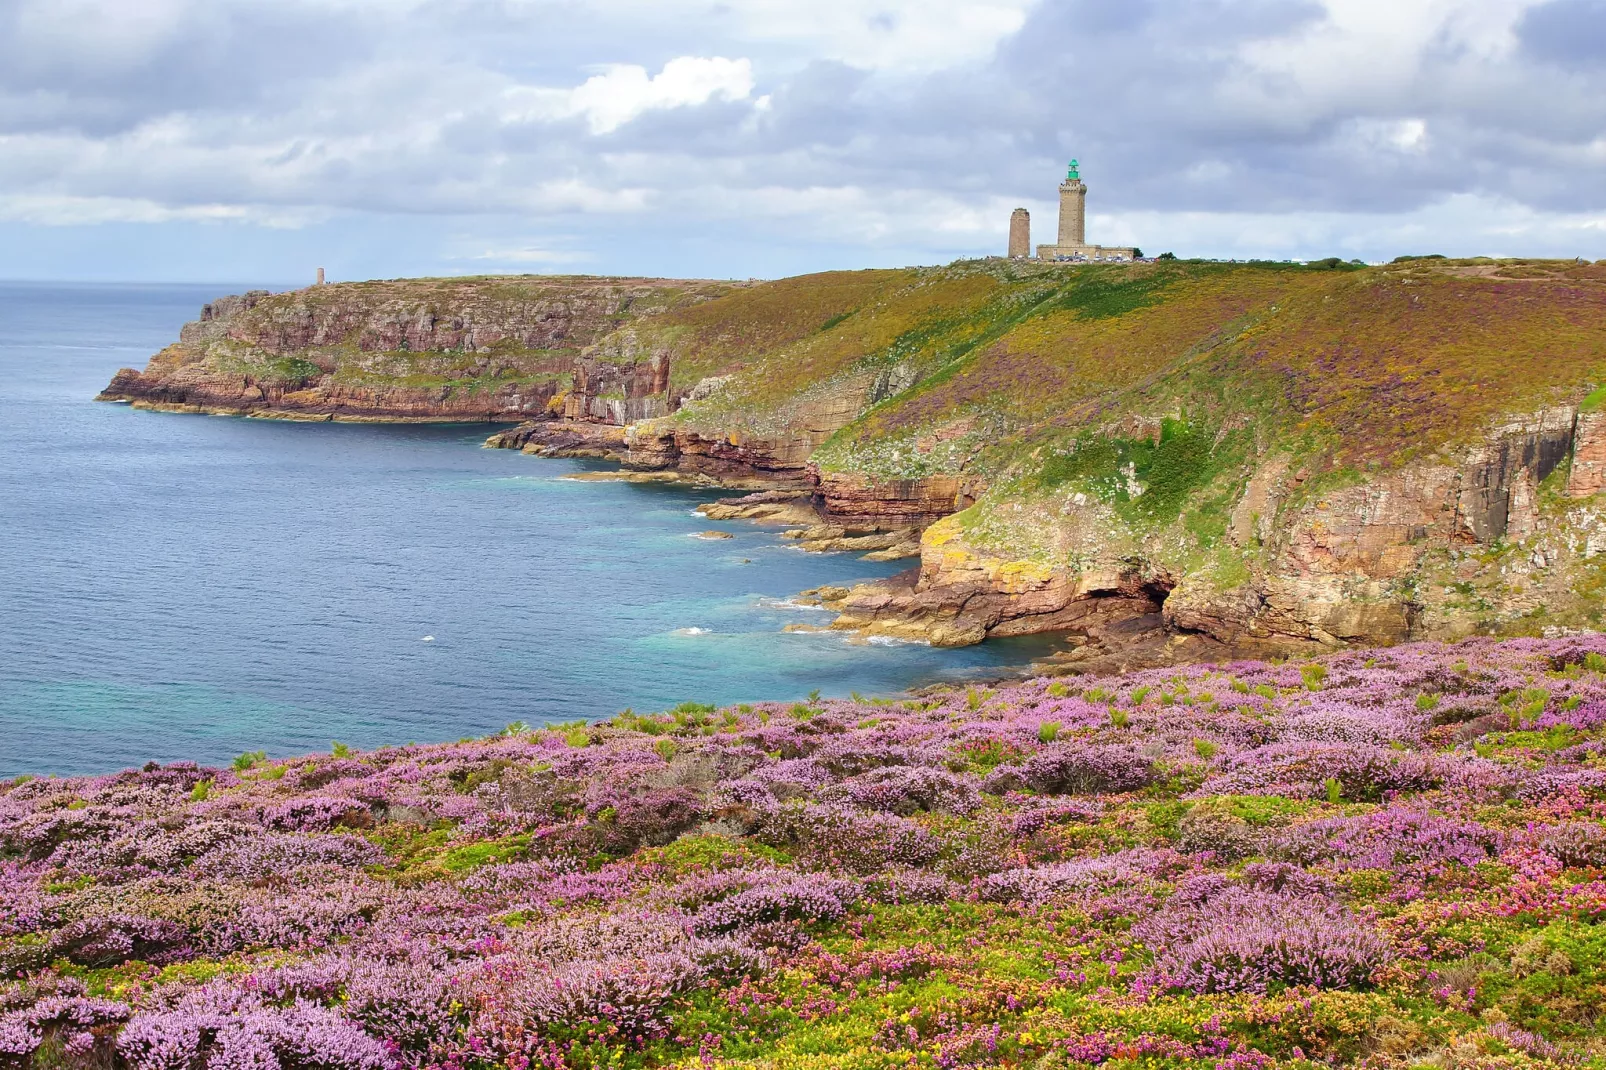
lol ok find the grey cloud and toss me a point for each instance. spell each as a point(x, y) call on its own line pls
point(217, 56)
point(386, 109)
point(1568, 32)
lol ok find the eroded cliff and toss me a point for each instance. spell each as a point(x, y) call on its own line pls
point(493, 349)
point(1187, 455)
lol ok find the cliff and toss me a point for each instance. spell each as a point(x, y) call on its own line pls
point(1190, 455)
point(492, 349)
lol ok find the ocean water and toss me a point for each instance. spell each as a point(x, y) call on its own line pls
point(176, 586)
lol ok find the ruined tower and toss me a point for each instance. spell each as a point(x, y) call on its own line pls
point(1020, 234)
point(1073, 209)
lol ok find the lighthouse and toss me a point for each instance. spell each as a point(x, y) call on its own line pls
point(1073, 208)
point(1072, 243)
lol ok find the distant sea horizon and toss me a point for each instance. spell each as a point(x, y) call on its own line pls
point(191, 587)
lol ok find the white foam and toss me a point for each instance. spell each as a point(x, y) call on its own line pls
point(691, 631)
point(792, 604)
point(892, 640)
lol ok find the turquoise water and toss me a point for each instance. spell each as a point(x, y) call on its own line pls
point(192, 587)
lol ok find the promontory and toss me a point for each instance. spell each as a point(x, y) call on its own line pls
point(1177, 457)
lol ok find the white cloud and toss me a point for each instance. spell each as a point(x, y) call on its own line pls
point(1369, 54)
point(62, 210)
point(895, 35)
point(741, 135)
point(901, 36)
point(623, 91)
point(118, 33)
point(1458, 225)
point(1398, 135)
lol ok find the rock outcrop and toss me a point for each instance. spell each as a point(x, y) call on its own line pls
point(1159, 460)
point(1338, 567)
point(499, 350)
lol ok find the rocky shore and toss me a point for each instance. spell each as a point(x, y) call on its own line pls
point(1184, 460)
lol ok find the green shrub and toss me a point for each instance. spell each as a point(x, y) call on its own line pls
point(248, 761)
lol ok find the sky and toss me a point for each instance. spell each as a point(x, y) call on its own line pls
point(201, 140)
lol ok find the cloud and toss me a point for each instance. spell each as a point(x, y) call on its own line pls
point(1571, 33)
point(67, 211)
point(743, 134)
point(623, 92)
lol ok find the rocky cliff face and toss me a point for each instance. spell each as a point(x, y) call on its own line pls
point(451, 349)
point(1185, 459)
point(1439, 549)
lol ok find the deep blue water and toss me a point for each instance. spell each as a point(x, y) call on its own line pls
point(177, 586)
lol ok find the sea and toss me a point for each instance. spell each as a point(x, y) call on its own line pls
point(193, 587)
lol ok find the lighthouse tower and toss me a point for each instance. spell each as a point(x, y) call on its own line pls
point(1073, 209)
point(1072, 243)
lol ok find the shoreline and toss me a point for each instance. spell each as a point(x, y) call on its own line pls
point(766, 498)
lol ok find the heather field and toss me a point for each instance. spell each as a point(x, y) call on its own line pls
point(1388, 858)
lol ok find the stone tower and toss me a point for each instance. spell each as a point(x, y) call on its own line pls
point(1073, 209)
point(1020, 234)
point(1072, 244)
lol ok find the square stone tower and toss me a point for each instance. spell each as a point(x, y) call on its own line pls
point(1073, 212)
point(1020, 234)
point(1072, 244)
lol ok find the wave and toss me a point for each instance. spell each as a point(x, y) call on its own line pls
point(792, 604)
point(892, 640)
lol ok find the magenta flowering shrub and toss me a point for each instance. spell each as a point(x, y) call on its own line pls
point(1009, 875)
point(846, 838)
point(1216, 935)
point(1583, 717)
point(908, 790)
point(1067, 769)
point(769, 900)
point(1037, 884)
point(82, 1024)
point(1272, 941)
point(107, 940)
point(316, 813)
point(631, 996)
point(1577, 843)
point(1361, 770)
point(1399, 839)
point(273, 854)
point(22, 901)
point(225, 1027)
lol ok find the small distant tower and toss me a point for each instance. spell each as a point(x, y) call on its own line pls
point(1020, 234)
point(1073, 209)
point(320, 276)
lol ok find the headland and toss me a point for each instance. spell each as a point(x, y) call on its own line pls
point(1166, 460)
